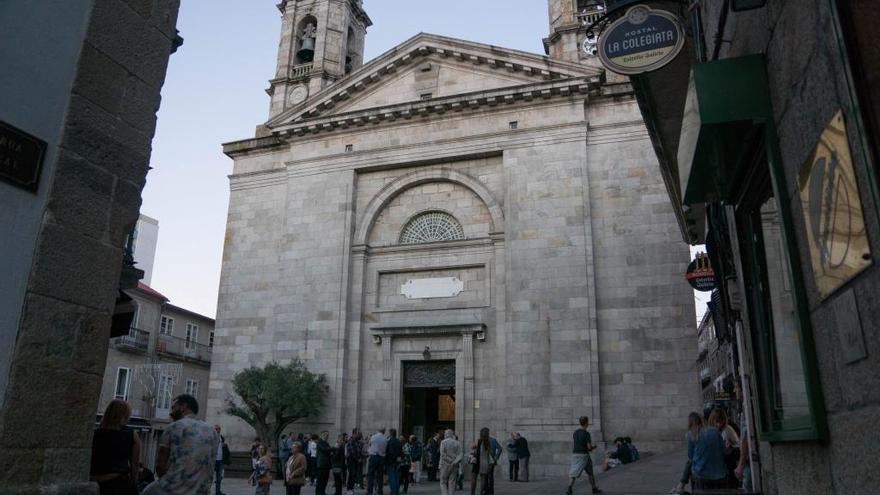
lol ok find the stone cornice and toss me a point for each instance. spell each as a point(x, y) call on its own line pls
point(469, 102)
point(454, 103)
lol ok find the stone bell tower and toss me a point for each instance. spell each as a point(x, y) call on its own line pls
point(321, 42)
point(569, 20)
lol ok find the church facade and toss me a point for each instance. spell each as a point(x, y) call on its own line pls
point(457, 235)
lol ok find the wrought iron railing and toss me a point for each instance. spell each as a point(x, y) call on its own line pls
point(301, 70)
point(588, 17)
point(136, 339)
point(186, 348)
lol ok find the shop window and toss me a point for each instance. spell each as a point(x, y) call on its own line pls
point(789, 403)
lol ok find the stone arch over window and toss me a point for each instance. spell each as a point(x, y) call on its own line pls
point(431, 226)
point(392, 189)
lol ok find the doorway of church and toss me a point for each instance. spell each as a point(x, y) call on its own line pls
point(428, 397)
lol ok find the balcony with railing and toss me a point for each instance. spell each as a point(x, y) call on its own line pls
point(187, 349)
point(301, 70)
point(137, 340)
point(589, 11)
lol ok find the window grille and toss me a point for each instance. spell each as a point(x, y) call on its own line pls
point(433, 226)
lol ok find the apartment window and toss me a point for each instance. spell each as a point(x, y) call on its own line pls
point(211, 339)
point(166, 325)
point(349, 148)
point(166, 388)
point(192, 387)
point(192, 335)
point(123, 382)
point(514, 124)
point(426, 96)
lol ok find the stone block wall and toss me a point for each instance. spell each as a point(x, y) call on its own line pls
point(93, 197)
point(524, 196)
point(808, 84)
point(645, 307)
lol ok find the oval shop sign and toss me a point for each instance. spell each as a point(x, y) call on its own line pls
point(641, 41)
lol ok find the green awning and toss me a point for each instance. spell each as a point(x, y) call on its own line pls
point(727, 105)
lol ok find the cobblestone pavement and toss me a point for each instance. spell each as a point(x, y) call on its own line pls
point(652, 475)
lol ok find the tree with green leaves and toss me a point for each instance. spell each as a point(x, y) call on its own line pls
point(273, 397)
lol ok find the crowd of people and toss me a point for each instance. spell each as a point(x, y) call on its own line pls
point(192, 455)
point(717, 449)
point(386, 458)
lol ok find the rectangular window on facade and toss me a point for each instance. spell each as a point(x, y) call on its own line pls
point(192, 335)
point(123, 382)
point(163, 395)
point(787, 398)
point(192, 387)
point(426, 96)
point(211, 339)
point(166, 325)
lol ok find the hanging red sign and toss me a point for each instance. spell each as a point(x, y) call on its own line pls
point(700, 274)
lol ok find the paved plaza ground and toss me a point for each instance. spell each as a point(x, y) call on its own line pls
point(652, 475)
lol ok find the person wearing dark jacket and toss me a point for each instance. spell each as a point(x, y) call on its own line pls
point(432, 453)
point(621, 455)
point(523, 455)
point(337, 462)
point(323, 463)
point(393, 457)
point(512, 458)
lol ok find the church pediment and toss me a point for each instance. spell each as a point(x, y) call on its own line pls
point(428, 67)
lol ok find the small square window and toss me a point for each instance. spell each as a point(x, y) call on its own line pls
point(425, 68)
point(349, 148)
point(426, 96)
point(514, 124)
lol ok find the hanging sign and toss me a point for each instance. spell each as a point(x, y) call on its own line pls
point(642, 40)
point(21, 157)
point(835, 221)
point(700, 274)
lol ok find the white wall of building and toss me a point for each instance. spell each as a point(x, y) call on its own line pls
point(145, 246)
point(35, 96)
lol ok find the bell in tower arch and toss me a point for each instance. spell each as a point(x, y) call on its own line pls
point(306, 52)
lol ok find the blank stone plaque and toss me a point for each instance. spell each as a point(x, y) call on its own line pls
point(429, 288)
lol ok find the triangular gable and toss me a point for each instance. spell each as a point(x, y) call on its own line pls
point(432, 77)
point(456, 66)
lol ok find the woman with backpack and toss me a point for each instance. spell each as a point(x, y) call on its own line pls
point(719, 419)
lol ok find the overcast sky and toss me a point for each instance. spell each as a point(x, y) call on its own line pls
point(214, 93)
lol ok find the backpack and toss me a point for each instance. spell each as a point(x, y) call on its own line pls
point(415, 452)
point(227, 456)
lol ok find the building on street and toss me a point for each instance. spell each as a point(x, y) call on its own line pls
point(766, 129)
point(144, 238)
point(716, 362)
point(457, 235)
point(166, 352)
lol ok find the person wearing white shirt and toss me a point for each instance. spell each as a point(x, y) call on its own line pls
point(376, 462)
point(312, 457)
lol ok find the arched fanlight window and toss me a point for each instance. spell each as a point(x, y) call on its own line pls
point(431, 226)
